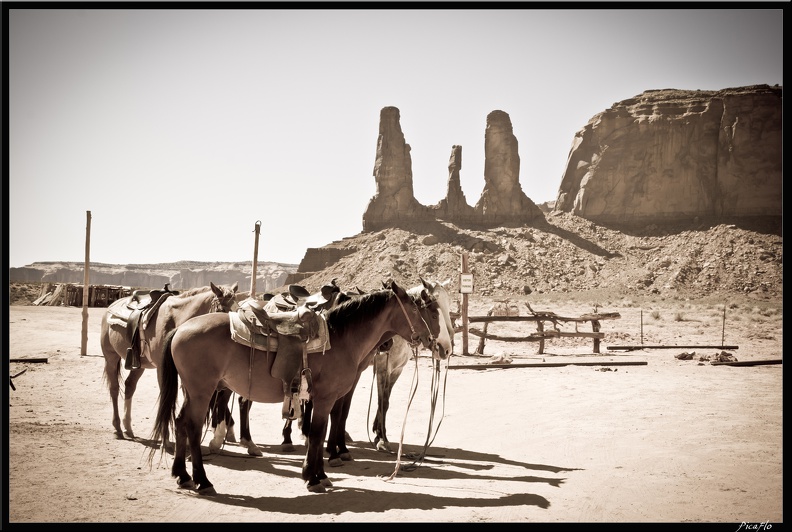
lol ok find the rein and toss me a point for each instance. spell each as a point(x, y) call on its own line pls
point(429, 437)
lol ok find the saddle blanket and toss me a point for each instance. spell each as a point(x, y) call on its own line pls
point(241, 334)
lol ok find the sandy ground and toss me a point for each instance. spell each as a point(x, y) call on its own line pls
point(655, 440)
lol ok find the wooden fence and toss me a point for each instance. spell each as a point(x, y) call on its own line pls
point(541, 319)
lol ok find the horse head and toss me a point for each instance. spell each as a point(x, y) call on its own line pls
point(225, 297)
point(445, 339)
point(421, 330)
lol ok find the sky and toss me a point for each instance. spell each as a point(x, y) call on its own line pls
point(179, 129)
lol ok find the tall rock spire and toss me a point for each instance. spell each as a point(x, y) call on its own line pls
point(503, 200)
point(394, 201)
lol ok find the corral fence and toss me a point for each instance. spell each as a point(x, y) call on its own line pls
point(71, 295)
point(548, 324)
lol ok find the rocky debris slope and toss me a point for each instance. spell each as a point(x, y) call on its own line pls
point(570, 254)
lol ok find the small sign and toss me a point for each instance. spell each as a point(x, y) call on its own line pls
point(465, 283)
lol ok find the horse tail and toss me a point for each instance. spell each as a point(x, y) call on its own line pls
point(306, 420)
point(166, 405)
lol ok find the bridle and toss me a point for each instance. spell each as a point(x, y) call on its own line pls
point(221, 305)
point(414, 336)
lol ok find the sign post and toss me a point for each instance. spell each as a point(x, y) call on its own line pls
point(465, 288)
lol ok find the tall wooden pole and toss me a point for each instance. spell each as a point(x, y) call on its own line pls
point(465, 309)
point(255, 261)
point(86, 285)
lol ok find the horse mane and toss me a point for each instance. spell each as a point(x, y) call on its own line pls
point(193, 292)
point(349, 313)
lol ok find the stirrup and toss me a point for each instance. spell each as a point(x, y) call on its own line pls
point(291, 407)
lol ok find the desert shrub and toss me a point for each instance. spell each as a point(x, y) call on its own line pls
point(679, 316)
point(655, 314)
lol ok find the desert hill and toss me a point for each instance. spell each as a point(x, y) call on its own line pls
point(562, 255)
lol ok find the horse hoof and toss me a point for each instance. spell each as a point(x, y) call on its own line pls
point(253, 450)
point(187, 485)
point(326, 483)
point(119, 435)
point(346, 457)
point(208, 491)
point(287, 448)
point(129, 434)
point(335, 462)
point(230, 436)
point(316, 488)
point(383, 446)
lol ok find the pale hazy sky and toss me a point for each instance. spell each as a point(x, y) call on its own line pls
point(179, 129)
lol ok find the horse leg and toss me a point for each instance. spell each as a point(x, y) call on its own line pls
point(193, 419)
point(287, 446)
point(383, 395)
point(336, 441)
point(112, 371)
point(244, 419)
point(385, 382)
point(313, 465)
point(219, 407)
point(179, 467)
point(130, 385)
point(230, 436)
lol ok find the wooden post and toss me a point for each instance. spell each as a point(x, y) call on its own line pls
point(480, 348)
point(540, 330)
point(641, 326)
point(595, 326)
point(723, 332)
point(84, 341)
point(257, 230)
point(465, 309)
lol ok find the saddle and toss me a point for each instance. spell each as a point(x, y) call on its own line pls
point(291, 325)
point(142, 307)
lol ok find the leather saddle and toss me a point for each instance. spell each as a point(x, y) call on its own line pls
point(292, 324)
point(143, 305)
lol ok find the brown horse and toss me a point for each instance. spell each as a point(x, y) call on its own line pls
point(388, 365)
point(175, 310)
point(202, 353)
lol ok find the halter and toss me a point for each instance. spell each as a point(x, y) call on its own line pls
point(414, 338)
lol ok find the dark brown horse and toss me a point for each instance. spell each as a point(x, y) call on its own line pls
point(175, 310)
point(203, 354)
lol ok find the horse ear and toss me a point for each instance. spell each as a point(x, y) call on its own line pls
point(235, 287)
point(427, 284)
point(426, 296)
point(393, 286)
point(214, 288)
point(446, 282)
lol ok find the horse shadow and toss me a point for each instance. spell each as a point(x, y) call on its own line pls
point(371, 463)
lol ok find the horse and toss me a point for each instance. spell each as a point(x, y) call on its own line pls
point(388, 365)
point(222, 420)
point(203, 355)
point(174, 311)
